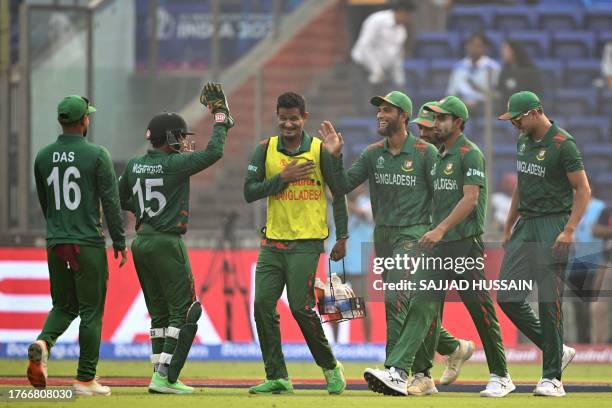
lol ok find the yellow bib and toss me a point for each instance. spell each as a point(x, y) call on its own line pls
point(300, 210)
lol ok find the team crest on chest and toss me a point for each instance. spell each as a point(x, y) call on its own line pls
point(448, 170)
point(408, 165)
point(541, 155)
point(380, 163)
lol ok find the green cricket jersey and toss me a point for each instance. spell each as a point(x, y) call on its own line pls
point(400, 185)
point(542, 168)
point(72, 177)
point(256, 187)
point(462, 164)
point(155, 186)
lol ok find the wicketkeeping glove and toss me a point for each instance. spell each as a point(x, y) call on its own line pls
point(213, 98)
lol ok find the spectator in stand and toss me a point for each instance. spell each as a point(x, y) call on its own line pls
point(475, 75)
point(501, 200)
point(379, 52)
point(518, 72)
point(601, 329)
point(606, 64)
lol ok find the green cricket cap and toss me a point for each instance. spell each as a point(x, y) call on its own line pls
point(396, 98)
point(450, 105)
point(519, 103)
point(73, 108)
point(426, 117)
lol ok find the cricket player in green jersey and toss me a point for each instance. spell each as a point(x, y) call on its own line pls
point(458, 211)
point(155, 187)
point(398, 171)
point(73, 177)
point(547, 204)
point(291, 170)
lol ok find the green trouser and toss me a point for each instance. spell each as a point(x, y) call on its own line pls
point(164, 272)
point(427, 306)
point(80, 294)
point(389, 242)
point(296, 270)
point(529, 257)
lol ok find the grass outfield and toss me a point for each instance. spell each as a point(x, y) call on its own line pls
point(527, 373)
point(238, 397)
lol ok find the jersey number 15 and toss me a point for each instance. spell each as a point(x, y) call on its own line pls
point(149, 195)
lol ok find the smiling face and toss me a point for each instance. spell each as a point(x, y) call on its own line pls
point(389, 119)
point(291, 122)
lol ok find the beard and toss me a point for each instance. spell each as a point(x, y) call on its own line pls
point(390, 129)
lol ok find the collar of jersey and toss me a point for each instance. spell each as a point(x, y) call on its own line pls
point(460, 142)
point(304, 146)
point(73, 137)
point(407, 144)
point(547, 139)
point(157, 152)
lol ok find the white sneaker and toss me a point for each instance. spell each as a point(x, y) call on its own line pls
point(422, 385)
point(90, 388)
point(387, 382)
point(549, 388)
point(498, 386)
point(38, 355)
point(568, 355)
point(455, 360)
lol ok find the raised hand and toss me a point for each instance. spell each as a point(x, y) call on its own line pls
point(332, 140)
point(213, 98)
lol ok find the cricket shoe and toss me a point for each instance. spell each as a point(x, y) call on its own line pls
point(568, 355)
point(549, 388)
point(387, 382)
point(38, 355)
point(422, 385)
point(455, 361)
point(279, 386)
point(90, 388)
point(336, 383)
point(159, 385)
point(498, 386)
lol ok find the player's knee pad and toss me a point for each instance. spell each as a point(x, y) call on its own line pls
point(184, 338)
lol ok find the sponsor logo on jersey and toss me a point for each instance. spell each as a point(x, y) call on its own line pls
point(541, 155)
point(449, 169)
point(475, 172)
point(252, 168)
point(380, 163)
point(408, 165)
point(433, 169)
point(521, 149)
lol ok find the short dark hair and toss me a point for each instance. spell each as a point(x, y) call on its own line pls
point(405, 5)
point(479, 36)
point(290, 100)
point(462, 121)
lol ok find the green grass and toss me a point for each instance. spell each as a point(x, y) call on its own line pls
point(239, 398)
point(254, 370)
point(134, 397)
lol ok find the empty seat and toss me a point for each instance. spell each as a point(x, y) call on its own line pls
point(470, 18)
point(597, 157)
point(439, 73)
point(514, 18)
point(581, 72)
point(587, 130)
point(416, 70)
point(573, 44)
point(559, 18)
point(438, 45)
point(575, 102)
point(605, 103)
point(537, 43)
point(598, 18)
point(552, 73)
